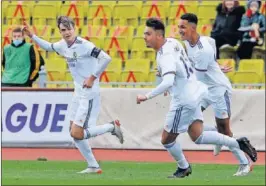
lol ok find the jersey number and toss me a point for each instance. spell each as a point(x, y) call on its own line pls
point(188, 69)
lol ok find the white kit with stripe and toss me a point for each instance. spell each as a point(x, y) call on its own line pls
point(203, 58)
point(186, 91)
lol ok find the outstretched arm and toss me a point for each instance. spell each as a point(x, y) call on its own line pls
point(168, 68)
point(41, 42)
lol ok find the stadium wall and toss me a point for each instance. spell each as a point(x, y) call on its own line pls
point(38, 118)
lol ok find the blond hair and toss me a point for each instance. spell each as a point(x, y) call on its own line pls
point(66, 21)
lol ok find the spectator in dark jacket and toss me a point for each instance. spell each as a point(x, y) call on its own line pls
point(253, 27)
point(225, 28)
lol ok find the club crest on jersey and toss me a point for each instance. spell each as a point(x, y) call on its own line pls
point(176, 48)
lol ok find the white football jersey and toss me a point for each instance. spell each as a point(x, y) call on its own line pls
point(172, 58)
point(203, 58)
point(81, 58)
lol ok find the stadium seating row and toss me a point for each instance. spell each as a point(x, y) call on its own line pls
point(107, 13)
point(139, 70)
point(119, 41)
point(47, 32)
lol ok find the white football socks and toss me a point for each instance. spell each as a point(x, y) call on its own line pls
point(85, 150)
point(239, 154)
point(215, 138)
point(98, 130)
point(175, 150)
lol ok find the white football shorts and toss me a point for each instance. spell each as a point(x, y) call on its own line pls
point(178, 120)
point(220, 104)
point(85, 107)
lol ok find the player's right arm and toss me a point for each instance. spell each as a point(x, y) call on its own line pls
point(168, 68)
point(50, 47)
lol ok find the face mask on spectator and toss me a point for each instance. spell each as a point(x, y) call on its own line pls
point(17, 42)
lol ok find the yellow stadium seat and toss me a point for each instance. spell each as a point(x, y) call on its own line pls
point(210, 3)
point(28, 3)
point(112, 72)
point(140, 31)
point(138, 4)
point(229, 63)
point(122, 31)
point(51, 85)
point(17, 13)
point(7, 29)
point(55, 75)
point(6, 41)
point(185, 2)
point(6, 34)
point(35, 84)
point(117, 47)
point(259, 51)
point(252, 65)
point(206, 14)
point(99, 2)
point(136, 70)
point(75, 11)
point(125, 15)
point(140, 50)
point(97, 41)
point(246, 77)
point(56, 3)
point(126, 31)
point(57, 35)
point(53, 55)
point(148, 11)
point(177, 9)
point(43, 31)
point(68, 76)
point(95, 34)
point(58, 64)
point(263, 78)
point(99, 14)
point(3, 10)
point(172, 31)
point(54, 39)
point(205, 30)
point(43, 53)
point(84, 4)
point(228, 52)
point(152, 76)
point(165, 4)
point(47, 17)
point(93, 30)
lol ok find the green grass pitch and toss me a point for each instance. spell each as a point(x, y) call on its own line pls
point(122, 173)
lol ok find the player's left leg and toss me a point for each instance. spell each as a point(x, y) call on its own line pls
point(83, 144)
point(84, 127)
point(94, 130)
point(205, 103)
point(199, 136)
point(222, 109)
